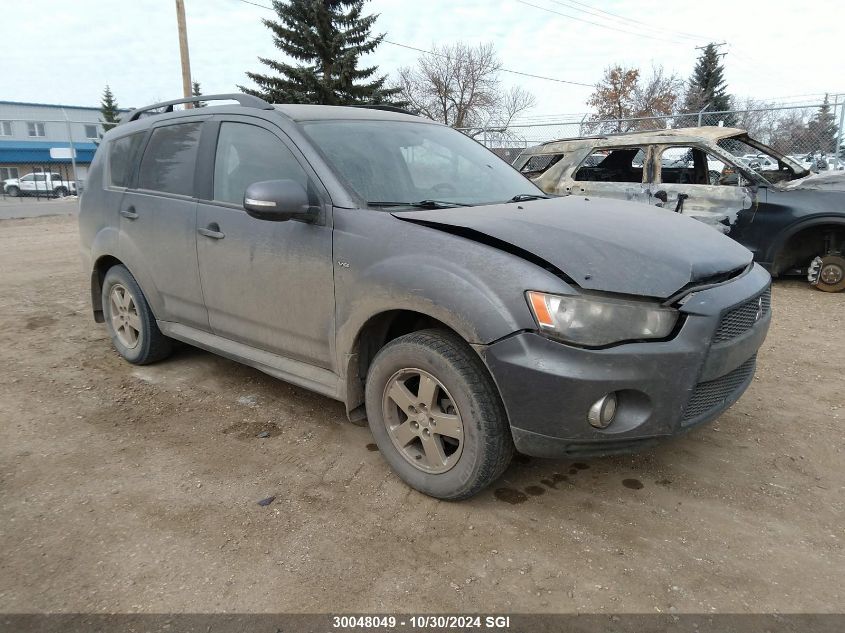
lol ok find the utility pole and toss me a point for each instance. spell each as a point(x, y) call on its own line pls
point(183, 49)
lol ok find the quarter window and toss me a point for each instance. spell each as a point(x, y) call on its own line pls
point(35, 129)
point(122, 153)
point(169, 160)
point(247, 154)
point(5, 128)
point(91, 131)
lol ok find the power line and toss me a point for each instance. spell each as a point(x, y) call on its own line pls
point(627, 19)
point(504, 70)
point(422, 50)
point(604, 26)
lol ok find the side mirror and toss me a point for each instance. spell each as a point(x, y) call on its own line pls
point(278, 201)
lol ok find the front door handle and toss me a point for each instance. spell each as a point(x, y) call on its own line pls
point(129, 213)
point(212, 231)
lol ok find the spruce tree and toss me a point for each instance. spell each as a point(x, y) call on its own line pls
point(197, 92)
point(326, 38)
point(822, 128)
point(109, 110)
point(707, 86)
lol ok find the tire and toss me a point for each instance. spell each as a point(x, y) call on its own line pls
point(13, 191)
point(60, 192)
point(131, 311)
point(831, 275)
point(463, 395)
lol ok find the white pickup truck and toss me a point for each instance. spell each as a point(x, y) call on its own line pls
point(49, 184)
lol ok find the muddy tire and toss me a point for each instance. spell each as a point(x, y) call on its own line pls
point(130, 321)
point(436, 415)
point(13, 191)
point(831, 275)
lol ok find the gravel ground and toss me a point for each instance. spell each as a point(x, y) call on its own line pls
point(128, 489)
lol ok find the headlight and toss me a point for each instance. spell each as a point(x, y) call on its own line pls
point(595, 320)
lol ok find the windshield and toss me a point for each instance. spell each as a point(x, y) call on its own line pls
point(771, 166)
point(387, 162)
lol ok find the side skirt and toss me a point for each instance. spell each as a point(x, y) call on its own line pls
point(295, 372)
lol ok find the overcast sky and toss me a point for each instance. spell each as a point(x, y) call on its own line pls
point(778, 50)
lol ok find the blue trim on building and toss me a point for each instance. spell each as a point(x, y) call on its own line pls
point(56, 105)
point(16, 152)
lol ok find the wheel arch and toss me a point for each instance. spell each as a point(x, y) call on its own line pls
point(793, 241)
point(98, 275)
point(378, 330)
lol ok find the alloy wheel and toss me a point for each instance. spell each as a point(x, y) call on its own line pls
point(124, 316)
point(422, 420)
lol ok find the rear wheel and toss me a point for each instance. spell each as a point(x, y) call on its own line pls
point(60, 192)
point(436, 415)
point(130, 321)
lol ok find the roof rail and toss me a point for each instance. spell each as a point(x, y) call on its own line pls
point(248, 101)
point(385, 107)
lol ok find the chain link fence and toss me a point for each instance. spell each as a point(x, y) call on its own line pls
point(808, 133)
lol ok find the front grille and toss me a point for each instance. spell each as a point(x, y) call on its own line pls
point(714, 393)
point(743, 317)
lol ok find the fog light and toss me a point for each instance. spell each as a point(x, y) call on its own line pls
point(602, 412)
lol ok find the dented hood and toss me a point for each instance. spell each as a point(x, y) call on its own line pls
point(602, 244)
point(826, 181)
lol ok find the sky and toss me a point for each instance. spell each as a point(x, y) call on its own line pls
point(777, 50)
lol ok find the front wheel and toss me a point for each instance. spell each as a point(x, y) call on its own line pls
point(828, 273)
point(436, 415)
point(13, 191)
point(60, 192)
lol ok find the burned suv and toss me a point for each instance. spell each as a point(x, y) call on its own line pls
point(398, 266)
point(793, 221)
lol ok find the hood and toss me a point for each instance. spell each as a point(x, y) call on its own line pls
point(601, 244)
point(826, 181)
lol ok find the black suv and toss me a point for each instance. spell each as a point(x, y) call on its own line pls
point(398, 266)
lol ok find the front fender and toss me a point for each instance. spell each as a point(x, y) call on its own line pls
point(384, 264)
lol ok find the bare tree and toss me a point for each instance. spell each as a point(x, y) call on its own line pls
point(624, 94)
point(459, 85)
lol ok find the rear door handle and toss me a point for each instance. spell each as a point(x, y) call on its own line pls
point(129, 213)
point(212, 231)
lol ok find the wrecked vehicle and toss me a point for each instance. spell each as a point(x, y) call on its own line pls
point(793, 221)
point(394, 264)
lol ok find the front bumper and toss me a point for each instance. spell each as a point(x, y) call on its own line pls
point(664, 388)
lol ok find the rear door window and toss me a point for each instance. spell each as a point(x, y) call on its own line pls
point(618, 165)
point(539, 163)
point(170, 159)
point(122, 154)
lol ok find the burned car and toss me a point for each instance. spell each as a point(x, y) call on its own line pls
point(793, 221)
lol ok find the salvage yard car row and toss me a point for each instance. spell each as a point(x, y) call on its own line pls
point(793, 221)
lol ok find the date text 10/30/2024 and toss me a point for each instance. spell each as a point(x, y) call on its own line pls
point(421, 621)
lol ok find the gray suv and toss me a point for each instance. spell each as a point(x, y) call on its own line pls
point(398, 266)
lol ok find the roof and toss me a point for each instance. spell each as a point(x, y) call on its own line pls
point(38, 152)
point(307, 112)
point(675, 135)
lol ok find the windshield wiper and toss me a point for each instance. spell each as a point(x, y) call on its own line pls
point(422, 204)
point(524, 197)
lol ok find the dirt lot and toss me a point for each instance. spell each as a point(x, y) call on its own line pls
point(135, 489)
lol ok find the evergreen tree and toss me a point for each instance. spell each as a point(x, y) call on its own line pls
point(327, 39)
point(822, 128)
point(707, 86)
point(196, 92)
point(109, 110)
